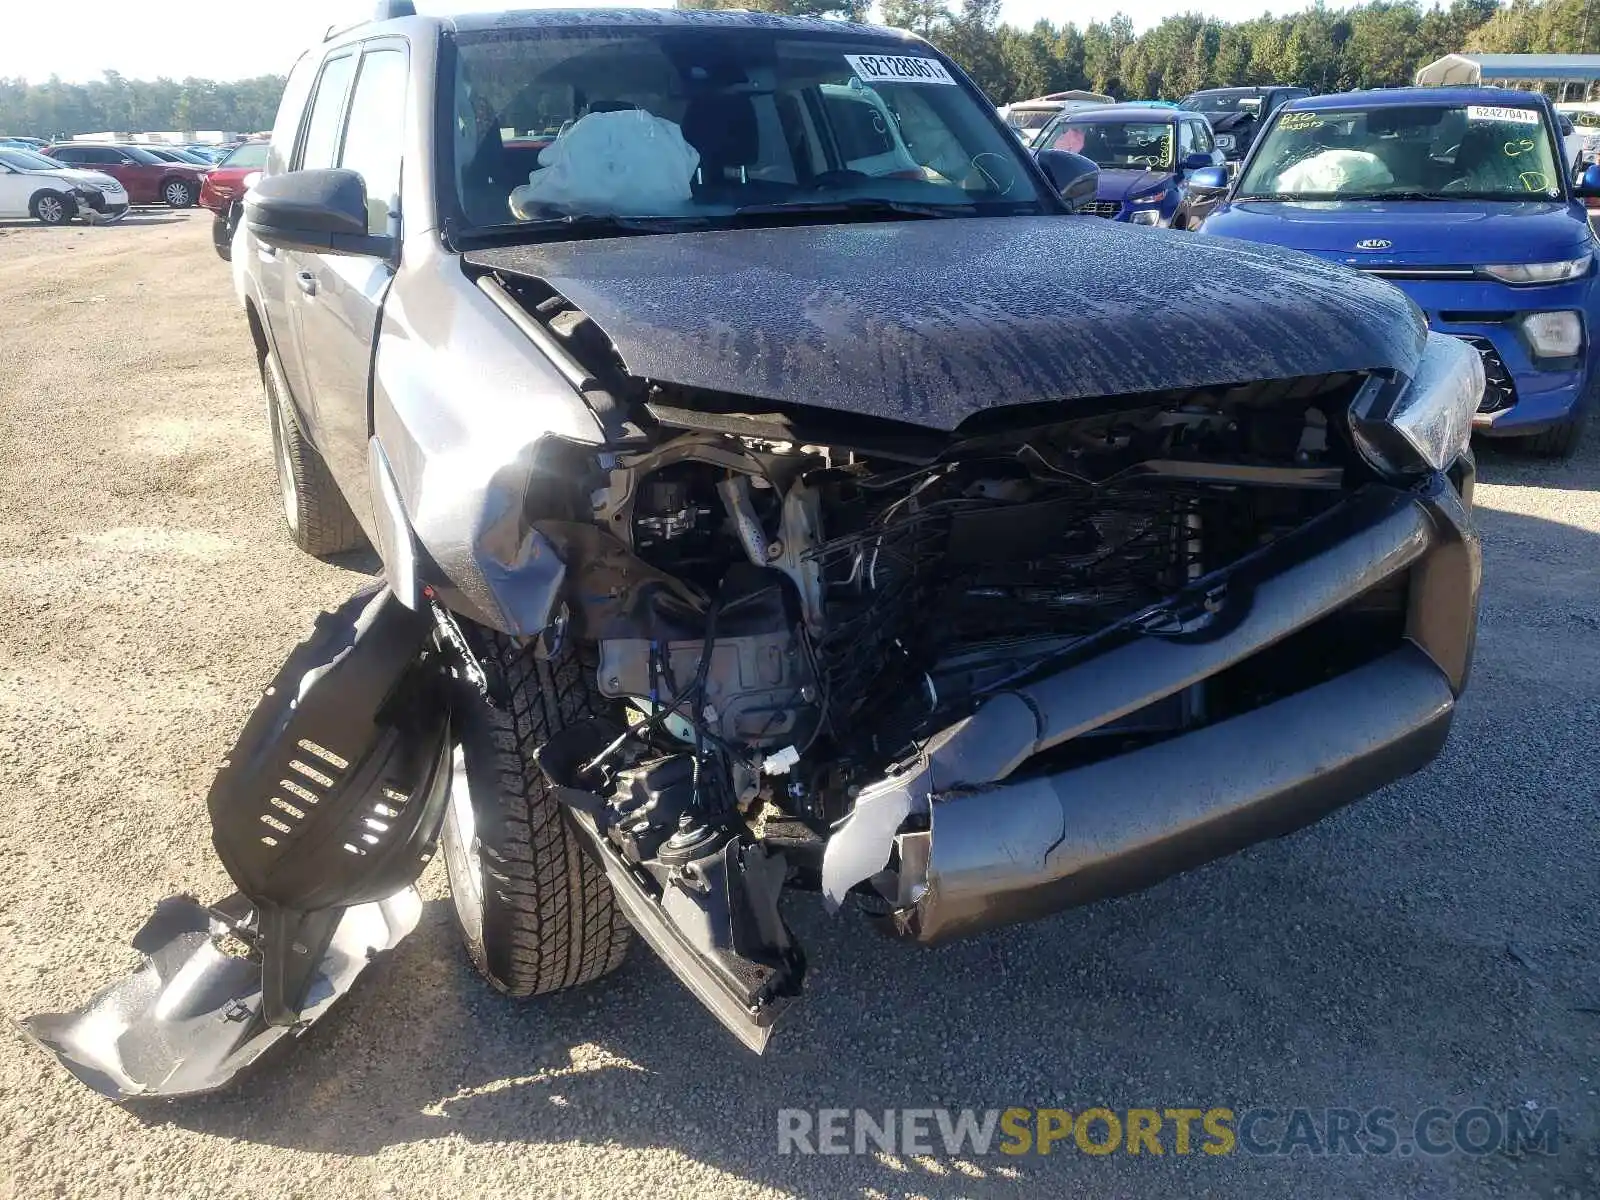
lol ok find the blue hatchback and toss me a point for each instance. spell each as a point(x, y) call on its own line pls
point(1146, 154)
point(1460, 197)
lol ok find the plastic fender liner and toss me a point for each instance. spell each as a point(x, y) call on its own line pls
point(190, 1017)
point(324, 814)
point(335, 790)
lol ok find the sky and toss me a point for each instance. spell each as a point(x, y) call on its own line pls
point(80, 40)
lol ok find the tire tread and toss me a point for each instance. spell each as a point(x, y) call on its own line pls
point(558, 920)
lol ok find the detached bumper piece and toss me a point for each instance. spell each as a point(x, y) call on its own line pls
point(1005, 836)
point(324, 814)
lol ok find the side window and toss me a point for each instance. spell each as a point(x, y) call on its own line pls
point(1202, 137)
point(373, 135)
point(1186, 144)
point(66, 154)
point(322, 130)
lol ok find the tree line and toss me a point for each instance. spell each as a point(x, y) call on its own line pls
point(1377, 44)
point(56, 109)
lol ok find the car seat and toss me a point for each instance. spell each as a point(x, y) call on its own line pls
point(723, 128)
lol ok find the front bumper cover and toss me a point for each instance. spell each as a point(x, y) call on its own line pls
point(1001, 845)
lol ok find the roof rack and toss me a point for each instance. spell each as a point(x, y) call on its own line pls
point(386, 10)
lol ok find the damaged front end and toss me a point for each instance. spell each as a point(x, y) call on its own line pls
point(951, 678)
point(324, 814)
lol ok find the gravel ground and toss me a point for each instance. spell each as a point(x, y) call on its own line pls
point(1435, 944)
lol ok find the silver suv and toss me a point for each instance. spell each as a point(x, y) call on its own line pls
point(778, 488)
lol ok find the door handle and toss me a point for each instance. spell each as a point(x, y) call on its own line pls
point(306, 282)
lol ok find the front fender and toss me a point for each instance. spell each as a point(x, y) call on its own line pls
point(478, 434)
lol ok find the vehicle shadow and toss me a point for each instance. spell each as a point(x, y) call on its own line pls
point(134, 218)
point(1323, 970)
point(1505, 461)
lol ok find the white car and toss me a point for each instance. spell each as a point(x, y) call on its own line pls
point(32, 185)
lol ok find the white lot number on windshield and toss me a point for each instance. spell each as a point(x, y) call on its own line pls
point(1484, 112)
point(898, 68)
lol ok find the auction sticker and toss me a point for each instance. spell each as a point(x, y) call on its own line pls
point(898, 68)
point(1484, 112)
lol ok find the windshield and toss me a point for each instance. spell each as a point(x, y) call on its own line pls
point(696, 124)
point(1414, 152)
point(252, 155)
point(1113, 144)
point(27, 160)
point(1222, 102)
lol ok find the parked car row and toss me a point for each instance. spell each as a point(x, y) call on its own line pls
point(1474, 202)
point(32, 185)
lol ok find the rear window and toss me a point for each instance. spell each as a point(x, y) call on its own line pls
point(252, 155)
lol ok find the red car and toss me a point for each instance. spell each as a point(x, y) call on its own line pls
point(223, 191)
point(145, 177)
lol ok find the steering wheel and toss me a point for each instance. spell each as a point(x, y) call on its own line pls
point(838, 179)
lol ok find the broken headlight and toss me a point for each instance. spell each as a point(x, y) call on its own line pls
point(1425, 422)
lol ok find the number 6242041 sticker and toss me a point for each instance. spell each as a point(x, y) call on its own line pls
point(1487, 112)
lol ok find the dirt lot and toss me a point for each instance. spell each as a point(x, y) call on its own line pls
point(1436, 944)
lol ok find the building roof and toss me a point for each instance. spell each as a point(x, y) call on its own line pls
point(1468, 68)
point(1127, 112)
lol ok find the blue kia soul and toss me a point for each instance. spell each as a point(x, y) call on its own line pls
point(1461, 197)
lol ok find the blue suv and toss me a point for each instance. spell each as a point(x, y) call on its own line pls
point(1461, 197)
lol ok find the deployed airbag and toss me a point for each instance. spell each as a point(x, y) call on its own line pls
point(627, 163)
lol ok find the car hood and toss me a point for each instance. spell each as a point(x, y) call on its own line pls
point(1419, 232)
point(932, 321)
point(1118, 184)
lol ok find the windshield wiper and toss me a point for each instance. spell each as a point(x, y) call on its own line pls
point(1287, 197)
point(576, 225)
point(866, 206)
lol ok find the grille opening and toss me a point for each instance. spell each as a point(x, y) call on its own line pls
point(1363, 631)
point(1499, 389)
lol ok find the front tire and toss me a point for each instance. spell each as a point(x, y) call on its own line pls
point(534, 908)
point(178, 193)
point(52, 208)
point(315, 510)
point(222, 238)
point(1559, 441)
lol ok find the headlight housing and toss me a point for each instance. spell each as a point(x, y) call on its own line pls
point(1145, 216)
point(1552, 334)
point(1224, 141)
point(1425, 423)
point(1527, 274)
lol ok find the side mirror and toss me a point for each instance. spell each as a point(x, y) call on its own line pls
point(1589, 182)
point(324, 211)
point(1209, 179)
point(1074, 176)
point(1195, 161)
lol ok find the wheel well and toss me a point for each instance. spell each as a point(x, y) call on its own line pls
point(183, 179)
point(45, 191)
